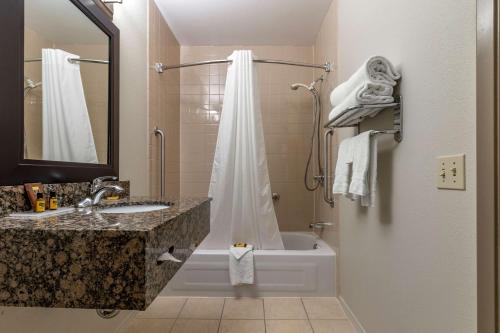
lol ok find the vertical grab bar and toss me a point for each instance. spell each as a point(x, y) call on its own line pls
point(327, 191)
point(160, 132)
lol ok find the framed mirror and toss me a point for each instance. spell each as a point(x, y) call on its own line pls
point(59, 93)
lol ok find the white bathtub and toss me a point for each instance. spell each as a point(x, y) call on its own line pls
point(305, 268)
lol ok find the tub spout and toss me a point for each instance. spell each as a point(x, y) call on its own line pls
point(320, 225)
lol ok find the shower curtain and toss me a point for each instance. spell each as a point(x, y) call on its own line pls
point(242, 207)
point(66, 130)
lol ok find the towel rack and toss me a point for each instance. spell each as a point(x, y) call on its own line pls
point(397, 131)
point(397, 108)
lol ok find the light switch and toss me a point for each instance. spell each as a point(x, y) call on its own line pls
point(451, 172)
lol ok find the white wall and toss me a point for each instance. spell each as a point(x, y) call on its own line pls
point(409, 264)
point(131, 17)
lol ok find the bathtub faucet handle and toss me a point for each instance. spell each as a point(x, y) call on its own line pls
point(320, 225)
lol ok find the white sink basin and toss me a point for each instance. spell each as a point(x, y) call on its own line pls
point(132, 209)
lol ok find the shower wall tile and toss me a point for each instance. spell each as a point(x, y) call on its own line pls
point(287, 122)
point(164, 104)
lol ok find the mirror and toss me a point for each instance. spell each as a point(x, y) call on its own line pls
point(66, 84)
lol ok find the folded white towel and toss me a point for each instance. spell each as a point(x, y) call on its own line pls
point(356, 170)
point(376, 69)
point(241, 266)
point(366, 93)
point(343, 168)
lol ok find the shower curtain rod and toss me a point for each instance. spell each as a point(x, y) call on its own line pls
point(327, 67)
point(73, 60)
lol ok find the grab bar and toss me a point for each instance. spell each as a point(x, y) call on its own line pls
point(159, 132)
point(327, 191)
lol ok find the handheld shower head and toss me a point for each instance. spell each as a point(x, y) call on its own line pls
point(296, 86)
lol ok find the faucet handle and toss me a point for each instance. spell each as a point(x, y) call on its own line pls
point(97, 183)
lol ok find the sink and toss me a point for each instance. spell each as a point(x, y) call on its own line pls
point(132, 209)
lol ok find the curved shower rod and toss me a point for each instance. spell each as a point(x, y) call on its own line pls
point(327, 67)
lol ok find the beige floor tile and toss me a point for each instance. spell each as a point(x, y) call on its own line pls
point(333, 326)
point(163, 307)
point(243, 308)
point(284, 308)
point(242, 326)
point(150, 325)
point(202, 308)
point(195, 326)
point(288, 326)
point(323, 308)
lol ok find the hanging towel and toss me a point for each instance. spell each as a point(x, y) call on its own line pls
point(366, 93)
point(242, 205)
point(343, 168)
point(66, 129)
point(356, 169)
point(376, 69)
point(241, 265)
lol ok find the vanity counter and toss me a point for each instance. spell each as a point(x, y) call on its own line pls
point(97, 260)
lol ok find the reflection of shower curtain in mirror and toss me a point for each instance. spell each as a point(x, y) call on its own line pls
point(67, 132)
point(242, 207)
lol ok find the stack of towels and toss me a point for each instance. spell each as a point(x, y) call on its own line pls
point(373, 83)
point(356, 170)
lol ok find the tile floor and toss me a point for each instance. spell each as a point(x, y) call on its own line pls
point(252, 315)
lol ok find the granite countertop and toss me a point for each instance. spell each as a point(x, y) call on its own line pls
point(93, 220)
point(95, 260)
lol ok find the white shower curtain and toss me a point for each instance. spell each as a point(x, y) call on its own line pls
point(242, 207)
point(66, 130)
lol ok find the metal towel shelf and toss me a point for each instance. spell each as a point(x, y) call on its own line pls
point(397, 108)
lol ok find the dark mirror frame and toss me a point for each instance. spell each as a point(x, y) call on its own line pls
point(14, 169)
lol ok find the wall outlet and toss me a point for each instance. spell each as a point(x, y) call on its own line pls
point(451, 172)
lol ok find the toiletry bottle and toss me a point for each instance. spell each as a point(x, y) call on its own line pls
point(53, 203)
point(40, 203)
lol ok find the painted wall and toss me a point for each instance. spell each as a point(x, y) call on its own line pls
point(131, 17)
point(287, 121)
point(408, 265)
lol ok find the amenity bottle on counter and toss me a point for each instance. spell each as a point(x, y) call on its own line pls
point(40, 203)
point(53, 203)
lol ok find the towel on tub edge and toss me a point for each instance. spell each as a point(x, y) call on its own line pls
point(241, 267)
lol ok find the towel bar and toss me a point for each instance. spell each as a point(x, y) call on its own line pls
point(397, 131)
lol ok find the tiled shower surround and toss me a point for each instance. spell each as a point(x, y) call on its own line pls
point(164, 106)
point(287, 119)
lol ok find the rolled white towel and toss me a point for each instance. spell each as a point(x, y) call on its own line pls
point(377, 69)
point(374, 93)
point(366, 93)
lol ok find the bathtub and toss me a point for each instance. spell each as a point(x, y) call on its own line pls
point(305, 268)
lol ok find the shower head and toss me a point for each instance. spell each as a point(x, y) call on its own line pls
point(30, 85)
point(310, 87)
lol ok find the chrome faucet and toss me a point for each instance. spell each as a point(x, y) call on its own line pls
point(320, 225)
point(97, 191)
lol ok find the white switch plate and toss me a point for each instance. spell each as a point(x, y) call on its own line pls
point(451, 172)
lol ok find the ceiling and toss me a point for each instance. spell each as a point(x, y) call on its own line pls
point(62, 22)
point(244, 22)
